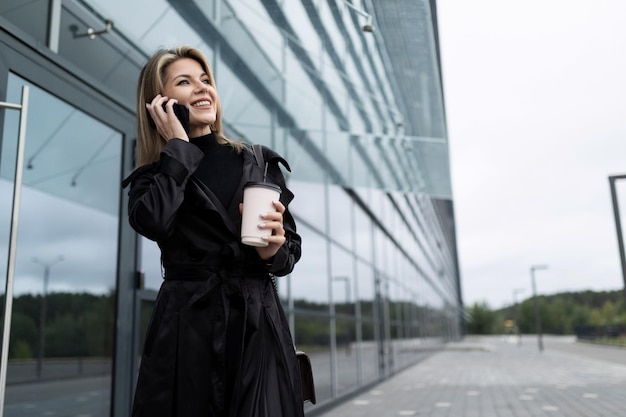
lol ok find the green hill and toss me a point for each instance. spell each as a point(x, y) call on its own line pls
point(561, 313)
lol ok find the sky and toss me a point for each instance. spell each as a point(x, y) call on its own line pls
point(535, 95)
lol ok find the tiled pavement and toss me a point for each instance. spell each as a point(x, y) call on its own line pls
point(497, 377)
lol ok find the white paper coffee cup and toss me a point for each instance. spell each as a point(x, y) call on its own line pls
point(257, 200)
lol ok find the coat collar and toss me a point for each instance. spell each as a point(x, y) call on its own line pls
point(207, 200)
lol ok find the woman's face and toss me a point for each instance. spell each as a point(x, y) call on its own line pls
point(186, 81)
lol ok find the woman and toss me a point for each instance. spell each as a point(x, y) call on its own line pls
point(218, 343)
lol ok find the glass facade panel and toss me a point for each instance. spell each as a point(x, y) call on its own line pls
point(64, 285)
point(250, 117)
point(297, 17)
point(362, 167)
point(338, 155)
point(357, 123)
point(340, 214)
point(304, 166)
point(365, 289)
point(369, 353)
point(313, 338)
point(334, 33)
point(303, 96)
point(310, 278)
point(363, 234)
point(106, 66)
point(246, 46)
point(29, 16)
point(342, 264)
point(309, 204)
point(256, 18)
point(347, 365)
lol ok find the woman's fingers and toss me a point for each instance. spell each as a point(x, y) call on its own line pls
point(274, 220)
point(165, 119)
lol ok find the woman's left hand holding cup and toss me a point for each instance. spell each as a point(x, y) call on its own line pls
point(274, 221)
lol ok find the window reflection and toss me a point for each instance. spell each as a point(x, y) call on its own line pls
point(307, 35)
point(369, 353)
point(363, 234)
point(303, 165)
point(256, 19)
point(340, 208)
point(30, 16)
point(338, 155)
point(309, 205)
point(309, 280)
point(365, 288)
point(312, 336)
point(64, 293)
point(303, 98)
point(242, 108)
point(342, 267)
point(346, 354)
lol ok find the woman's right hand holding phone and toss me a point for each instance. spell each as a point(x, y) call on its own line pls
point(167, 124)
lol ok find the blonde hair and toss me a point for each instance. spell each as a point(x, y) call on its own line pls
point(151, 82)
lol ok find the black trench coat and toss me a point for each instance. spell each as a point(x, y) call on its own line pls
point(218, 343)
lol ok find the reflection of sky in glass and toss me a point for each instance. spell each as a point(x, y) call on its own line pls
point(66, 152)
point(307, 35)
point(150, 23)
point(51, 226)
point(70, 196)
point(309, 279)
point(241, 106)
point(255, 17)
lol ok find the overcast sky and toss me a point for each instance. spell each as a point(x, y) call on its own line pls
point(536, 102)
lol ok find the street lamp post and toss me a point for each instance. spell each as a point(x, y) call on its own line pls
point(536, 302)
point(519, 333)
point(618, 227)
point(42, 311)
point(345, 280)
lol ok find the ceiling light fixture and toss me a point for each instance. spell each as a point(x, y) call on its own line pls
point(368, 27)
point(91, 33)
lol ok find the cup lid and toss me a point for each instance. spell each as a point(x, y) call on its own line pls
point(262, 184)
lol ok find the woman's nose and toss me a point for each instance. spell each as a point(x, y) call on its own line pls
point(202, 88)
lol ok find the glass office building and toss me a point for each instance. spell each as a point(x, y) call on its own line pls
point(349, 92)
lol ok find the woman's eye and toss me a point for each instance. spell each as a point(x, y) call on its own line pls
point(181, 82)
point(207, 81)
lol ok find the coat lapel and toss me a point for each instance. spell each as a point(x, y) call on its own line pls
point(251, 172)
point(207, 200)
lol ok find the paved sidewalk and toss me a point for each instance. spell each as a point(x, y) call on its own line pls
point(496, 377)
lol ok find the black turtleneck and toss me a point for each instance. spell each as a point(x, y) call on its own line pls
point(221, 168)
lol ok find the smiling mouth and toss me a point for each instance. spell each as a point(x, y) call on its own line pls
point(203, 103)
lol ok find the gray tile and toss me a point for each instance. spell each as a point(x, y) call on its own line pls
point(496, 377)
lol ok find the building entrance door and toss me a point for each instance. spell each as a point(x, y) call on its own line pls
point(60, 342)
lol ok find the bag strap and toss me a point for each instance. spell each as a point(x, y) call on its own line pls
point(258, 155)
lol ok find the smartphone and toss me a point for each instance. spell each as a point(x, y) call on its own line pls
point(181, 112)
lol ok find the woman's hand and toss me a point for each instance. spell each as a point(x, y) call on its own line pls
point(273, 221)
point(167, 124)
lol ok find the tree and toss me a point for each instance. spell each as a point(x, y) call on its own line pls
point(482, 319)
